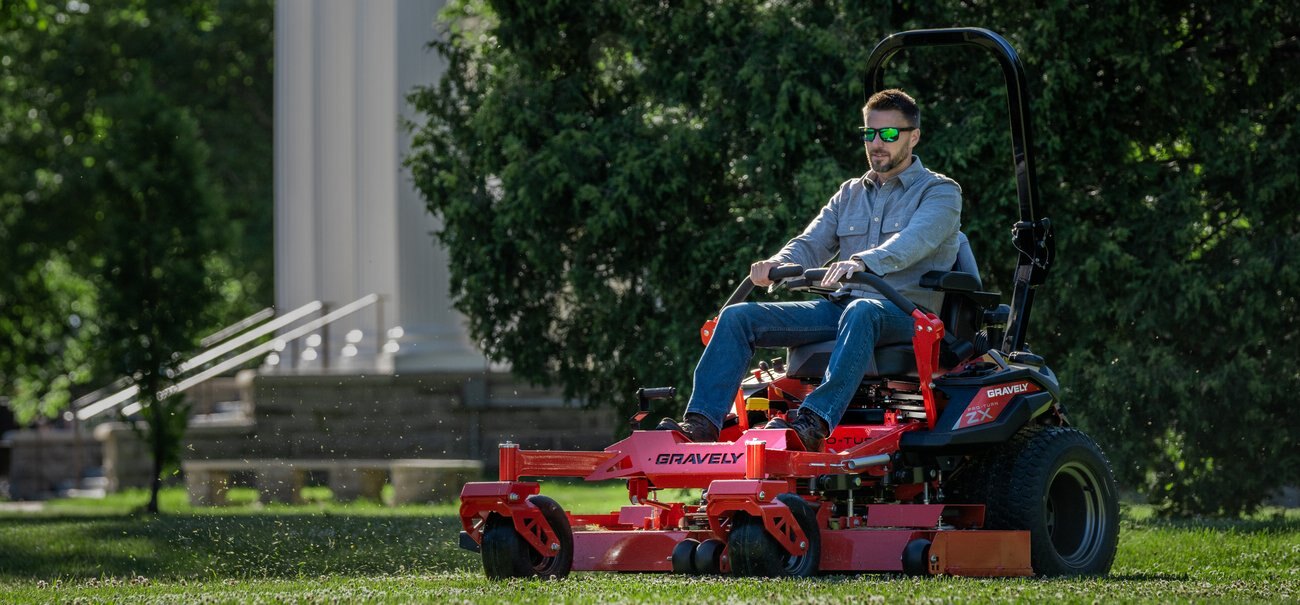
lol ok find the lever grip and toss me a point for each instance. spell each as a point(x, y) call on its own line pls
point(784, 271)
point(657, 393)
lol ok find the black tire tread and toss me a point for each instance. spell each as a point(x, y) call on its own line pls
point(1010, 481)
point(708, 556)
point(500, 550)
point(753, 551)
point(916, 557)
point(683, 556)
point(507, 555)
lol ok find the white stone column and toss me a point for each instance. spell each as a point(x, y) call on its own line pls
point(348, 219)
point(336, 168)
point(295, 190)
point(376, 99)
point(433, 334)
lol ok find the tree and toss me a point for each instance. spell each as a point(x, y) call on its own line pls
point(135, 151)
point(603, 182)
point(155, 235)
point(605, 173)
point(45, 346)
point(1168, 146)
point(58, 63)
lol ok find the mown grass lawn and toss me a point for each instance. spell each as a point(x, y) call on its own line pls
point(325, 552)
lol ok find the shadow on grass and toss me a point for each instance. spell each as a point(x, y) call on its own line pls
point(1240, 526)
point(290, 543)
point(228, 546)
point(1149, 577)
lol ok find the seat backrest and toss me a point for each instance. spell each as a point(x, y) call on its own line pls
point(966, 258)
point(961, 316)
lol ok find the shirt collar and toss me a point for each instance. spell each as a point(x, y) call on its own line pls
point(906, 177)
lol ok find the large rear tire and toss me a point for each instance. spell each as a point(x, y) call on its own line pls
point(1057, 484)
point(507, 555)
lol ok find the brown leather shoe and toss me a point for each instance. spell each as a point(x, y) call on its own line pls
point(696, 427)
point(808, 426)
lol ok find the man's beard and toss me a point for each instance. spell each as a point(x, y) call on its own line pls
point(888, 164)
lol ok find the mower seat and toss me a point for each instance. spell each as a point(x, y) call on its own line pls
point(811, 360)
point(960, 316)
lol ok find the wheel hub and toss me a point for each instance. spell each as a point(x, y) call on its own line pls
point(1075, 519)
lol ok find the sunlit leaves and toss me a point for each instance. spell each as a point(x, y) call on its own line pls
point(64, 89)
point(605, 172)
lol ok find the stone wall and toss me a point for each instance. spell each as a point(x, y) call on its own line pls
point(45, 460)
point(127, 462)
point(446, 415)
point(409, 416)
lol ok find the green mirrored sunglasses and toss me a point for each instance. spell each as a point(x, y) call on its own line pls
point(889, 134)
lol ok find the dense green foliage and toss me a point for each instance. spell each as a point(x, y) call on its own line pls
point(607, 171)
point(154, 194)
point(135, 154)
point(325, 552)
point(135, 187)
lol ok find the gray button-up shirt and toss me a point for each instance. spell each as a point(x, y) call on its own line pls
point(902, 229)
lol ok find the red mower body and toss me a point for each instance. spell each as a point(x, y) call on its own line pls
point(743, 476)
point(953, 457)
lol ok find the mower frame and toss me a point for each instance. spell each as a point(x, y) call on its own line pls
point(874, 500)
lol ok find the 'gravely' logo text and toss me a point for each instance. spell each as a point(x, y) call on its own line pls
point(1007, 390)
point(714, 458)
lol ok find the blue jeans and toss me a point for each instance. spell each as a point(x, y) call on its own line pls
point(857, 325)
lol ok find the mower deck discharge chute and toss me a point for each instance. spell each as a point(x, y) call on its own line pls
point(954, 457)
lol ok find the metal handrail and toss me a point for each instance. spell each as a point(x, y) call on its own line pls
point(107, 403)
point(98, 406)
point(116, 387)
point(264, 348)
point(243, 339)
point(91, 405)
point(237, 327)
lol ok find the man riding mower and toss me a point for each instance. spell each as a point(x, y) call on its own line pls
point(899, 221)
point(943, 448)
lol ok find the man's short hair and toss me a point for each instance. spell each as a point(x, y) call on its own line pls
point(898, 100)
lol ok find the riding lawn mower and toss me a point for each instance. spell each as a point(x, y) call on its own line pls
point(955, 455)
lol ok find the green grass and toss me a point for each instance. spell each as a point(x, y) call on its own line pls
point(325, 552)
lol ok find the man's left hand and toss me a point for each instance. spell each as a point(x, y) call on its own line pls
point(841, 270)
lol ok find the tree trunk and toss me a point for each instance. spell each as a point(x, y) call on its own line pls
point(157, 430)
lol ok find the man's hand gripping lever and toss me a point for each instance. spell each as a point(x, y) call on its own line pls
point(768, 272)
point(763, 273)
point(780, 274)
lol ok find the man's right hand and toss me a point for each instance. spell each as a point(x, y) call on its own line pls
point(759, 270)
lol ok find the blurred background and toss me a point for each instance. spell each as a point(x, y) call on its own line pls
point(403, 229)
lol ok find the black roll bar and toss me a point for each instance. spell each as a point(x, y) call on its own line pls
point(1032, 234)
